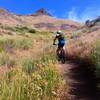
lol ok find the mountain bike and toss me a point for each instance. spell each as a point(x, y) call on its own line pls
point(61, 55)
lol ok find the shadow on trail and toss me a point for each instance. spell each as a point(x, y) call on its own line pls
point(81, 79)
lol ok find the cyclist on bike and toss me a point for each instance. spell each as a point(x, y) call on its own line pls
point(61, 41)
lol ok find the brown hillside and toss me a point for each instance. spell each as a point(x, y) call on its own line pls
point(40, 20)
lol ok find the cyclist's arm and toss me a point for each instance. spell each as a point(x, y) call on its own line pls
point(54, 40)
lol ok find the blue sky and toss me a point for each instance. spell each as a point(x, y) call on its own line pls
point(78, 10)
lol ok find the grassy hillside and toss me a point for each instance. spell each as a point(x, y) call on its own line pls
point(28, 66)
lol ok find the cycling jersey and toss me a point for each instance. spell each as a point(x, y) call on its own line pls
point(61, 40)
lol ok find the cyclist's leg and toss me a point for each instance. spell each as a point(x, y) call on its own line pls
point(63, 50)
point(58, 52)
point(63, 54)
point(58, 49)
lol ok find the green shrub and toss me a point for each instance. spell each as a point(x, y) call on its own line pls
point(9, 28)
point(23, 44)
point(16, 28)
point(19, 29)
point(32, 31)
point(9, 43)
point(27, 65)
point(6, 43)
point(1, 49)
point(5, 60)
point(96, 57)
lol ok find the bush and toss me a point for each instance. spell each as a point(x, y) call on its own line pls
point(23, 44)
point(19, 29)
point(5, 60)
point(32, 31)
point(9, 43)
point(27, 65)
point(6, 44)
point(9, 28)
point(16, 28)
point(96, 57)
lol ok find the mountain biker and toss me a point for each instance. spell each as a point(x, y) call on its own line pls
point(61, 41)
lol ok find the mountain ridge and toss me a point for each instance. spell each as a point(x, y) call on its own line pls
point(41, 20)
point(40, 12)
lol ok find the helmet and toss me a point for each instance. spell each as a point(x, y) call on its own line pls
point(59, 32)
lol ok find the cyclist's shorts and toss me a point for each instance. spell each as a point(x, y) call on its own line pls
point(61, 43)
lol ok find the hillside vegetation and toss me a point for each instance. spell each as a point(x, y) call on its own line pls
point(29, 69)
point(27, 66)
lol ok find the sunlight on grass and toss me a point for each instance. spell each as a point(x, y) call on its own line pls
point(43, 83)
point(7, 43)
point(28, 78)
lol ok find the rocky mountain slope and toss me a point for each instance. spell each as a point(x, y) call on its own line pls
point(40, 20)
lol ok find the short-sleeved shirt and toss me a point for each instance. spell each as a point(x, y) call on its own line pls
point(61, 39)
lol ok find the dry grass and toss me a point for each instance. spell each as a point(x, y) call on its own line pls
point(28, 74)
point(32, 81)
point(28, 61)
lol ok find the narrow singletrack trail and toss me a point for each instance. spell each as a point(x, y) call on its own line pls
point(80, 78)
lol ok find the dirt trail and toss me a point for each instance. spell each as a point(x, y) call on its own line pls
point(80, 78)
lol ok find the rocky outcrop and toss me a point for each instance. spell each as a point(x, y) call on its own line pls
point(93, 22)
point(41, 12)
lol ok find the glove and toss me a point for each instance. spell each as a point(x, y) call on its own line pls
point(54, 44)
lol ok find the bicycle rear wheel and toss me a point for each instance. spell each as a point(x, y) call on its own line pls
point(62, 56)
